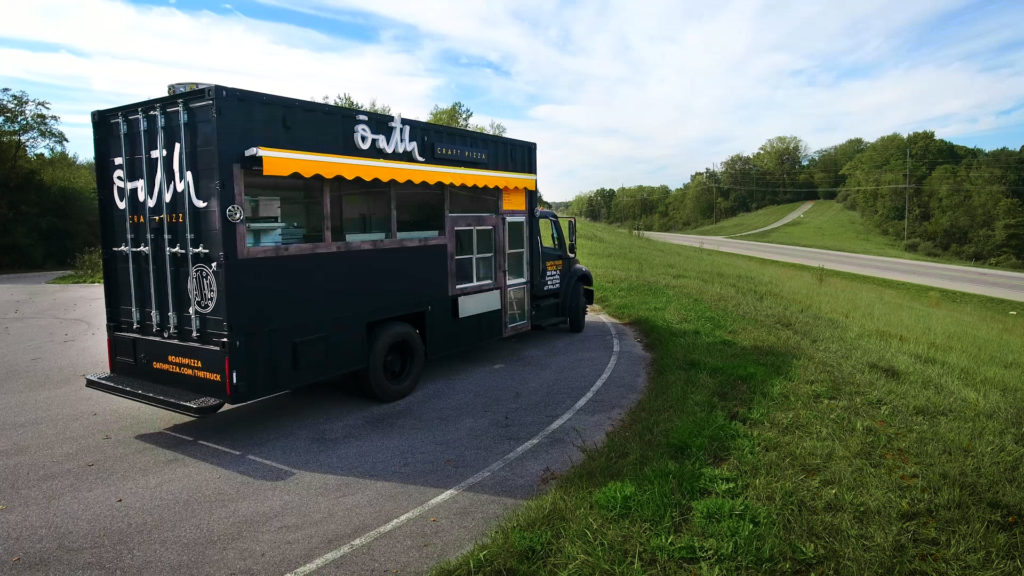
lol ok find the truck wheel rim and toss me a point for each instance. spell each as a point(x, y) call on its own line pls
point(396, 362)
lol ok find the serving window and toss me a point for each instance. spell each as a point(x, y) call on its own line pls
point(294, 215)
point(280, 211)
point(360, 211)
point(419, 210)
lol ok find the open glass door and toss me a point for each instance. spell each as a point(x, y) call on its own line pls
point(517, 291)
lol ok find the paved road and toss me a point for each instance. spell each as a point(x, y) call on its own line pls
point(96, 484)
point(998, 283)
point(785, 220)
point(31, 278)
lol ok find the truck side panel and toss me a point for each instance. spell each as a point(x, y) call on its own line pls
point(297, 332)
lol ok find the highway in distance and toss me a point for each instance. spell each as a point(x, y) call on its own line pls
point(997, 283)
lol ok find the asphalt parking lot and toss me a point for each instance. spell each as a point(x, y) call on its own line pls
point(319, 480)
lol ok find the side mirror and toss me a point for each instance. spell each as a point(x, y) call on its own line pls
point(572, 237)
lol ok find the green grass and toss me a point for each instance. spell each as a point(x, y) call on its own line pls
point(75, 278)
point(830, 226)
point(747, 221)
point(88, 269)
point(797, 421)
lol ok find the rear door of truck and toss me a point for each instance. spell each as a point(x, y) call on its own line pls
point(156, 165)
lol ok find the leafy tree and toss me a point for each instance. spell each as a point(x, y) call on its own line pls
point(493, 127)
point(458, 115)
point(541, 202)
point(584, 205)
point(594, 205)
point(1009, 230)
point(877, 178)
point(639, 205)
point(738, 184)
point(346, 100)
point(603, 200)
point(826, 166)
point(27, 127)
point(779, 162)
point(48, 208)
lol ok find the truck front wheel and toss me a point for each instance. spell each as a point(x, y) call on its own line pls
point(577, 308)
point(395, 362)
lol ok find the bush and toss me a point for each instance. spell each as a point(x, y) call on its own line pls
point(928, 249)
point(88, 268)
point(1005, 261)
point(89, 262)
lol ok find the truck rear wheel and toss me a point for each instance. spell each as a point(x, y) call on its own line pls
point(395, 362)
point(577, 308)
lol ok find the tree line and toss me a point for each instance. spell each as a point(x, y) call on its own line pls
point(456, 114)
point(48, 202)
point(940, 197)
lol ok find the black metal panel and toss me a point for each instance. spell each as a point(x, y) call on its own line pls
point(169, 398)
point(193, 367)
point(151, 160)
point(305, 317)
point(248, 119)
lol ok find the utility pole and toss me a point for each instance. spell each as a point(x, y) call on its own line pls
point(906, 207)
point(714, 206)
point(643, 212)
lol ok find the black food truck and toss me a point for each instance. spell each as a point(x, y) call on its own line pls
point(254, 243)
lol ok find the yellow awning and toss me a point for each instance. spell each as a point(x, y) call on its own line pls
point(277, 162)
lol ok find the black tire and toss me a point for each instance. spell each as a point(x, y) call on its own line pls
point(577, 308)
point(395, 362)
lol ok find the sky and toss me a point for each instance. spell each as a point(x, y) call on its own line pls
point(613, 92)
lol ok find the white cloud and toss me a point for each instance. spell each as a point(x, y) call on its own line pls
point(613, 92)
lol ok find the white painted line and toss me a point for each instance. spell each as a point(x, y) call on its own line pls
point(448, 495)
point(269, 463)
point(230, 451)
point(212, 445)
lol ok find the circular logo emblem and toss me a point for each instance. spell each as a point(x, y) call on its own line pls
point(234, 213)
point(202, 288)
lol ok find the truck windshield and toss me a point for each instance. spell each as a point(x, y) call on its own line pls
point(550, 233)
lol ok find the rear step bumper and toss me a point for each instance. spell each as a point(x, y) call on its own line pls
point(182, 401)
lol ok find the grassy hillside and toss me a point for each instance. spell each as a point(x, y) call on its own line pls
point(747, 221)
point(830, 226)
point(797, 421)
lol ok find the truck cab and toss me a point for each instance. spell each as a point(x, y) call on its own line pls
point(562, 287)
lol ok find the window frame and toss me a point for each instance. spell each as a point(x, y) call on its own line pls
point(526, 256)
point(283, 186)
point(400, 188)
point(475, 256)
point(508, 306)
point(328, 244)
